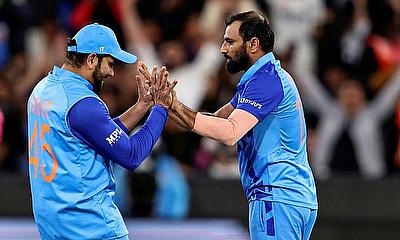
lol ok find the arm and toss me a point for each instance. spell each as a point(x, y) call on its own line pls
point(241, 119)
point(224, 111)
point(178, 121)
point(90, 122)
point(132, 116)
point(135, 34)
point(132, 24)
point(225, 130)
point(385, 101)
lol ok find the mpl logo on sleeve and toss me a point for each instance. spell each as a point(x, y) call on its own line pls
point(251, 102)
point(114, 136)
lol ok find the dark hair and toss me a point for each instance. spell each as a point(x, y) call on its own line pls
point(77, 59)
point(252, 25)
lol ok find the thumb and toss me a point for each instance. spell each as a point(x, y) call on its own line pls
point(139, 82)
point(172, 85)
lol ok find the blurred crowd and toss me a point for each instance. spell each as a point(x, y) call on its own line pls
point(343, 54)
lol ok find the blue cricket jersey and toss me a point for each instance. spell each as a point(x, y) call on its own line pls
point(70, 170)
point(272, 156)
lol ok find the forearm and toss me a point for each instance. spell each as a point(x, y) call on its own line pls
point(227, 131)
point(89, 121)
point(186, 115)
point(133, 115)
point(132, 25)
point(178, 121)
point(144, 140)
point(220, 129)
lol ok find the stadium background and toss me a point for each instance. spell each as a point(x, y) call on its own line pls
point(343, 54)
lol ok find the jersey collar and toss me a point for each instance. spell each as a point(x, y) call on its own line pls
point(269, 57)
point(65, 75)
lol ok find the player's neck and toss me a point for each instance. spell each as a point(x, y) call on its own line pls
point(80, 71)
point(254, 57)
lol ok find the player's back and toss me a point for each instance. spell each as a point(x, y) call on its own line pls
point(72, 186)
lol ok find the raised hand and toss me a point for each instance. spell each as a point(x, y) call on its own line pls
point(160, 88)
point(175, 102)
point(143, 71)
point(143, 86)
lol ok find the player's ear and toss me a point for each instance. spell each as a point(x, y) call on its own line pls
point(92, 61)
point(253, 45)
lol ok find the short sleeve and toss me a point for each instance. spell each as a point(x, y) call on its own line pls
point(234, 100)
point(261, 95)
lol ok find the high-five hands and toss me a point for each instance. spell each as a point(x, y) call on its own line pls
point(157, 84)
point(143, 86)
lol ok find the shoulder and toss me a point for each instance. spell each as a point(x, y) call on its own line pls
point(266, 74)
point(266, 78)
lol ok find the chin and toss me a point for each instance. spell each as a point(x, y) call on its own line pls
point(231, 68)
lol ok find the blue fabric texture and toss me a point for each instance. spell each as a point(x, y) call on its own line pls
point(106, 136)
point(279, 221)
point(272, 156)
point(71, 176)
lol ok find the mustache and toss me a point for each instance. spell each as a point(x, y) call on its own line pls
point(227, 57)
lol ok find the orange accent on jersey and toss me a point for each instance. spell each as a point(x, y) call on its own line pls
point(52, 175)
point(38, 108)
point(34, 160)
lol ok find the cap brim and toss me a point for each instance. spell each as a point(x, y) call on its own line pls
point(125, 57)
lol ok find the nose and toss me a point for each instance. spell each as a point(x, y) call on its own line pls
point(111, 72)
point(223, 48)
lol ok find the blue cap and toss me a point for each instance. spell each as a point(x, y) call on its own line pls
point(99, 39)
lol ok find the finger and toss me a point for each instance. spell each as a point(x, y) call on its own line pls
point(151, 91)
point(173, 93)
point(153, 75)
point(148, 97)
point(163, 80)
point(172, 85)
point(166, 83)
point(160, 76)
point(145, 75)
point(142, 68)
point(146, 86)
point(139, 83)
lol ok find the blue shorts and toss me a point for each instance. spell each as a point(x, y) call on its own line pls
point(273, 220)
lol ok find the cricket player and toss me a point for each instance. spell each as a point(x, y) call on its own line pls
point(73, 142)
point(265, 119)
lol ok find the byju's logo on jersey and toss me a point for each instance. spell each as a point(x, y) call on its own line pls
point(251, 102)
point(114, 136)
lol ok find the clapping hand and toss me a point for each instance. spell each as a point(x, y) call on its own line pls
point(142, 82)
point(160, 88)
point(152, 79)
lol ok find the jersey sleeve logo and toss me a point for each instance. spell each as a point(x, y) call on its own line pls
point(251, 102)
point(114, 136)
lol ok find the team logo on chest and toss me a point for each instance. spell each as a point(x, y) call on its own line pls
point(114, 136)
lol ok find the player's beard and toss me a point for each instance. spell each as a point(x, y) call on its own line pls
point(239, 62)
point(98, 79)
